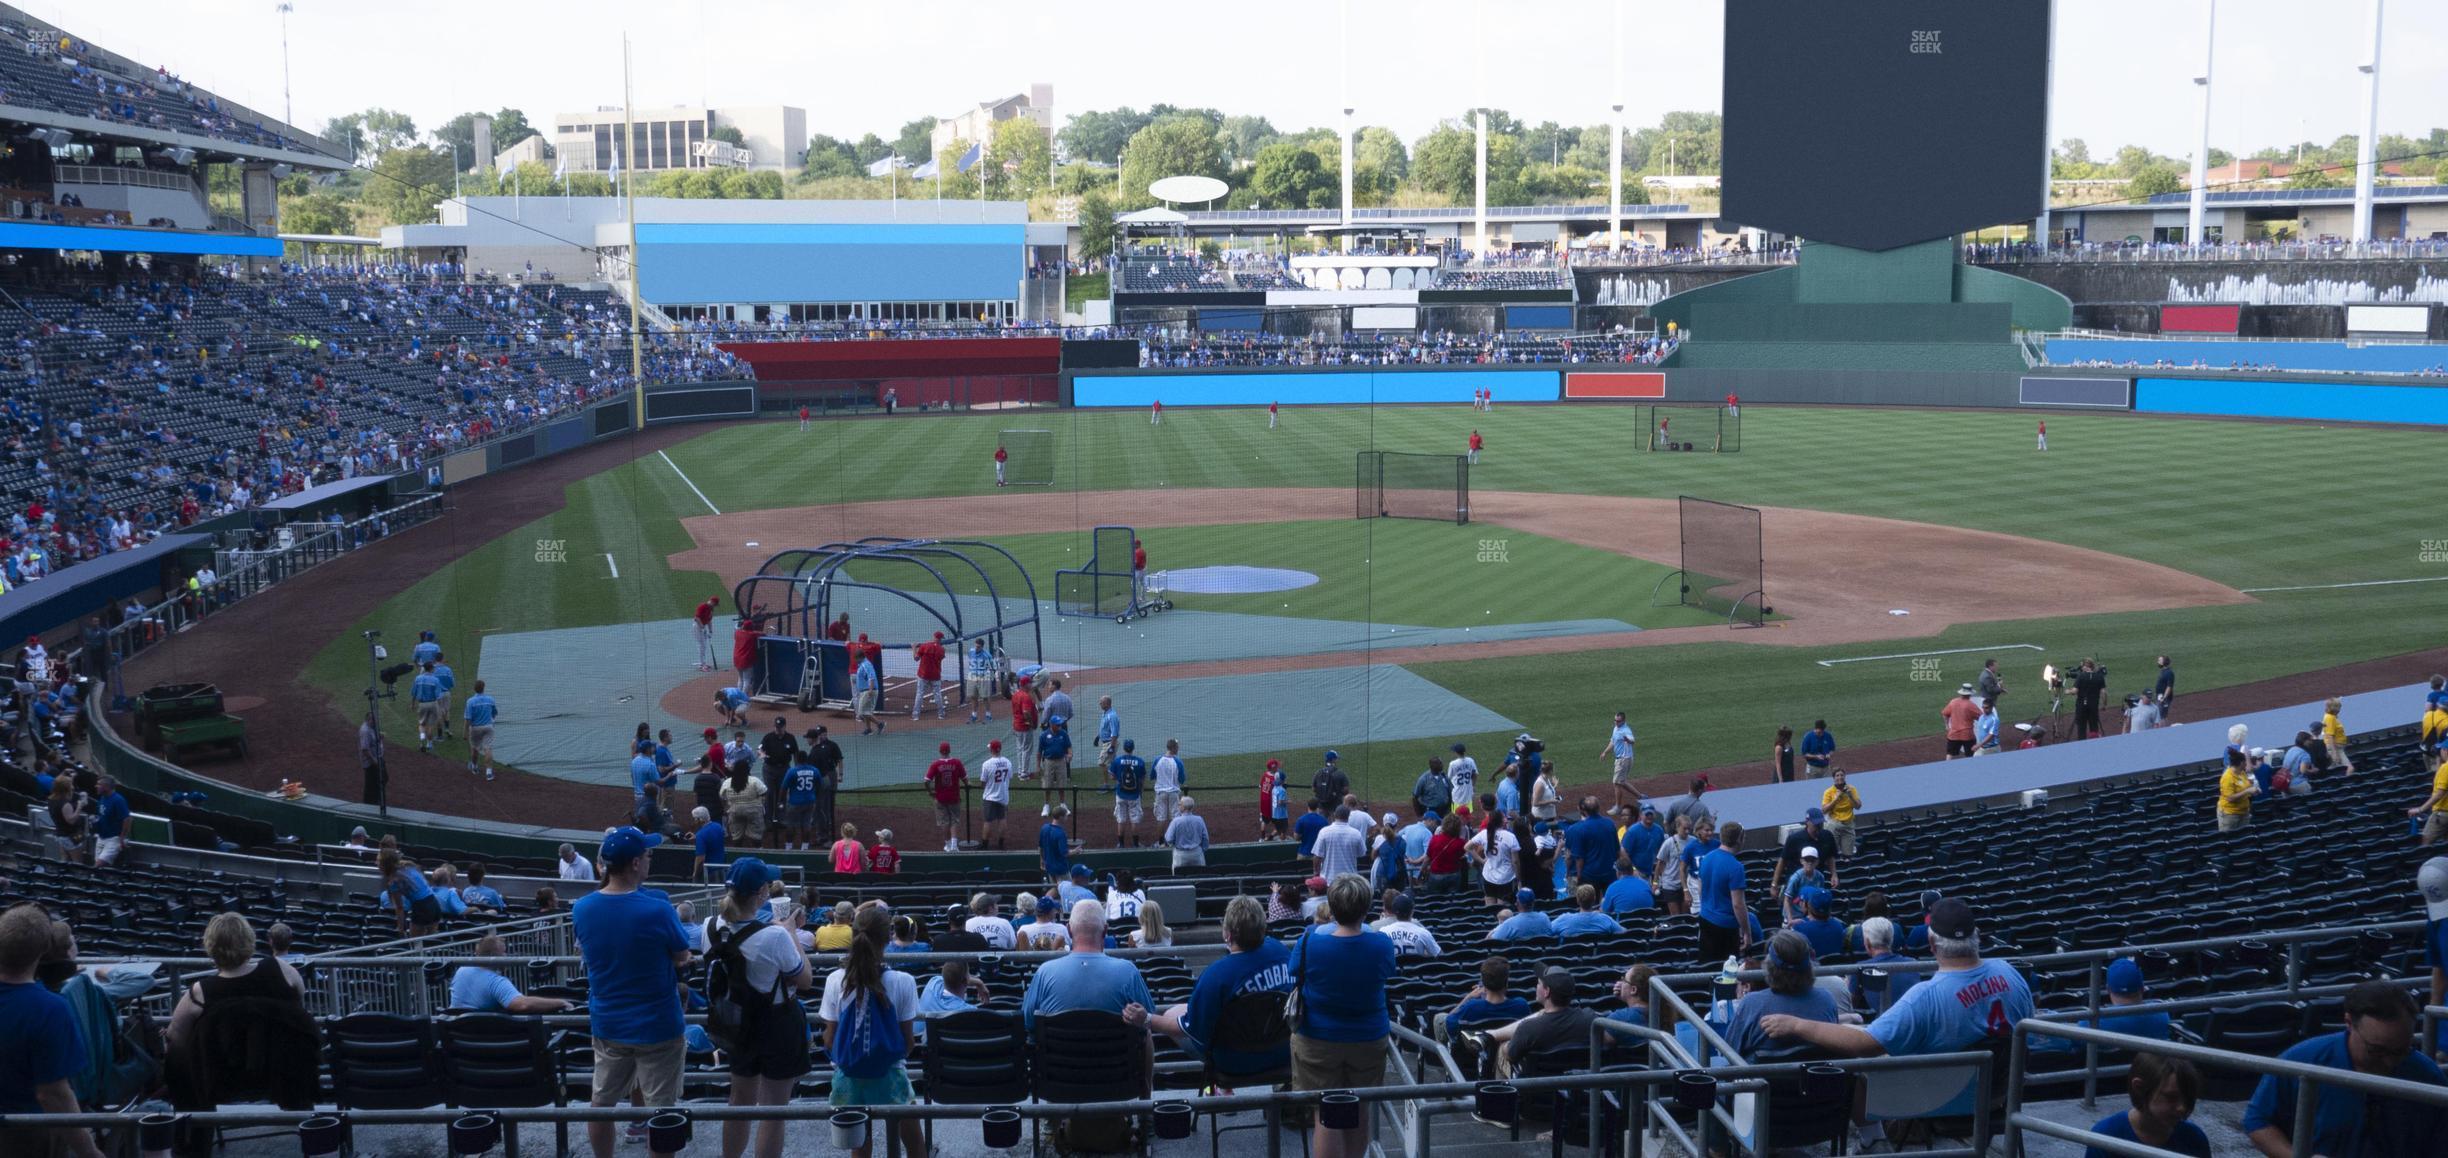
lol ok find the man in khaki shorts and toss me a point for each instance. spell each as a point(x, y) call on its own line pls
point(633, 948)
point(1619, 748)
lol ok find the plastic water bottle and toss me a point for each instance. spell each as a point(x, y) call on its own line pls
point(1721, 1004)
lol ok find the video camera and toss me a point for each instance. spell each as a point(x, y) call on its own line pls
point(391, 675)
point(1528, 744)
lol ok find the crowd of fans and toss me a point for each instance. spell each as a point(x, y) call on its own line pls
point(136, 405)
point(58, 72)
point(1391, 349)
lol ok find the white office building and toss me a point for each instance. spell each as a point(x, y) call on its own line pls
point(773, 138)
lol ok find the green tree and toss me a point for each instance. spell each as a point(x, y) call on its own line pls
point(830, 157)
point(871, 149)
point(1241, 137)
point(1445, 162)
point(588, 185)
point(2315, 177)
point(1096, 224)
point(2074, 151)
point(915, 139)
point(1543, 184)
point(1076, 180)
point(1379, 164)
point(510, 127)
point(728, 134)
point(1683, 142)
point(406, 184)
point(1019, 161)
point(458, 135)
point(321, 211)
point(1292, 175)
point(2152, 181)
point(1100, 135)
point(1171, 147)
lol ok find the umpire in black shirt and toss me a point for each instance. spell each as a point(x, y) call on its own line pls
point(2090, 682)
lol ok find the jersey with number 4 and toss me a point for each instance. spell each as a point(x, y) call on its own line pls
point(1955, 1010)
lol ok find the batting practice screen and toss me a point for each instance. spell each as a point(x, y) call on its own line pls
point(1691, 426)
point(1961, 88)
point(1103, 587)
point(1029, 461)
point(1722, 568)
point(1393, 484)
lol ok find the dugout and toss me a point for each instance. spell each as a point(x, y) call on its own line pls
point(898, 592)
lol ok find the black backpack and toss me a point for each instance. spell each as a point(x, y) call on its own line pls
point(732, 1008)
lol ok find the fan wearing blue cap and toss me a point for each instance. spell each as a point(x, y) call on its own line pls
point(1825, 933)
point(630, 941)
point(1524, 921)
point(2124, 981)
point(763, 960)
point(1126, 778)
point(1330, 785)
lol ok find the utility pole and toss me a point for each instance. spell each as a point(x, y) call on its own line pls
point(285, 8)
point(637, 350)
point(1615, 153)
point(2367, 150)
point(2201, 150)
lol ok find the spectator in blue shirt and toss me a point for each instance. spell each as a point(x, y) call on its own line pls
point(46, 1048)
point(111, 812)
point(1255, 964)
point(1054, 845)
point(1723, 898)
point(1878, 936)
point(1523, 922)
point(2125, 987)
point(1586, 920)
point(1825, 934)
point(1632, 989)
point(1341, 1039)
point(2381, 1024)
point(1591, 847)
point(1791, 991)
point(642, 770)
point(2163, 1090)
point(633, 949)
point(1086, 978)
point(479, 989)
point(1629, 894)
point(478, 894)
point(1642, 841)
point(1306, 829)
point(1488, 1003)
point(1818, 749)
point(710, 837)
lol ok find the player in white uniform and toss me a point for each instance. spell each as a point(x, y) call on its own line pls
point(1463, 772)
point(1169, 777)
point(994, 780)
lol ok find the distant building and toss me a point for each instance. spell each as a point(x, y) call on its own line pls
point(532, 149)
point(682, 137)
point(976, 124)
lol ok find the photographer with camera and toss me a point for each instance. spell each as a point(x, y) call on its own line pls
point(2090, 682)
point(2141, 712)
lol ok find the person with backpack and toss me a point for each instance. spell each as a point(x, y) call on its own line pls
point(754, 974)
point(868, 1013)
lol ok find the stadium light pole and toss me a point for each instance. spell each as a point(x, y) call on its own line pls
point(1615, 154)
point(1479, 116)
point(285, 8)
point(2367, 149)
point(2048, 136)
point(637, 352)
point(1350, 128)
point(2201, 149)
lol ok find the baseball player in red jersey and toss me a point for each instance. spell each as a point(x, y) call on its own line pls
point(1138, 570)
point(744, 649)
point(705, 633)
point(839, 630)
point(930, 658)
point(945, 777)
point(1665, 437)
point(1024, 729)
point(2044, 434)
point(1270, 416)
point(1156, 413)
point(803, 418)
point(1001, 456)
point(1733, 406)
point(1474, 448)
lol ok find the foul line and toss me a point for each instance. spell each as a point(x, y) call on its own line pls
point(685, 479)
point(609, 563)
point(1918, 654)
point(2335, 586)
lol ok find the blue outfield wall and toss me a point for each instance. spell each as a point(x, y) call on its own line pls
point(106, 239)
point(2335, 402)
point(2408, 358)
point(1312, 387)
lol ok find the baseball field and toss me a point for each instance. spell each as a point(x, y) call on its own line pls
point(1902, 548)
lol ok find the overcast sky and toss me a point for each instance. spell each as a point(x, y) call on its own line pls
point(2286, 68)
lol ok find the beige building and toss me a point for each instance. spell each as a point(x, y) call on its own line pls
point(976, 124)
point(774, 138)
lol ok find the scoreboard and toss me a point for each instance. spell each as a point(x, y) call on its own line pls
point(1879, 123)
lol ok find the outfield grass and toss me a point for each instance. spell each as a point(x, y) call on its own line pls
point(2245, 504)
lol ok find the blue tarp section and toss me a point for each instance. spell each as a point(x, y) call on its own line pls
point(1356, 388)
point(46, 605)
point(103, 239)
point(2335, 402)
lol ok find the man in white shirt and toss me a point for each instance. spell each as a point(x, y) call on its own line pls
point(1463, 772)
point(994, 791)
point(1411, 939)
point(984, 922)
point(1169, 778)
point(575, 867)
point(1338, 846)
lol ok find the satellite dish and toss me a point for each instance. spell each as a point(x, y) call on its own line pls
point(1186, 189)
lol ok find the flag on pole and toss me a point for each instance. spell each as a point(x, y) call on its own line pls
point(970, 159)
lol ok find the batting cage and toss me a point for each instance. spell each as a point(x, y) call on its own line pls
point(898, 593)
point(1691, 426)
point(1721, 562)
point(1393, 484)
point(1108, 587)
point(1029, 458)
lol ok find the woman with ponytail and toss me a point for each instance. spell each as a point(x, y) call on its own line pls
point(868, 1012)
point(764, 959)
